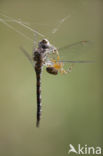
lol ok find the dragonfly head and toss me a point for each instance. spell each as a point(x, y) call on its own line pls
point(45, 44)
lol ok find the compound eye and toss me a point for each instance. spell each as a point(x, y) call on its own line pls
point(44, 41)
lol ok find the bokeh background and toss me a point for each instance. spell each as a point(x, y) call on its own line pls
point(72, 104)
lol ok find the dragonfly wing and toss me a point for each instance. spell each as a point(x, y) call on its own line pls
point(26, 54)
point(75, 53)
point(78, 50)
point(80, 43)
point(78, 61)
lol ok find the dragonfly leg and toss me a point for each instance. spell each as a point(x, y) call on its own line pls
point(59, 66)
point(63, 71)
point(70, 68)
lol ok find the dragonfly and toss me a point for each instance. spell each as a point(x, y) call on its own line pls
point(46, 54)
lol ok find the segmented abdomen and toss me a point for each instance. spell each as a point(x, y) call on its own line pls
point(38, 70)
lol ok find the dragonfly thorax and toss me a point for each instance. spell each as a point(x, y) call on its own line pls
point(39, 56)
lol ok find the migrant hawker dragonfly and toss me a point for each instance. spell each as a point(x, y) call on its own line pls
point(45, 54)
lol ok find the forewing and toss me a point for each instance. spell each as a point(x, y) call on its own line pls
point(76, 51)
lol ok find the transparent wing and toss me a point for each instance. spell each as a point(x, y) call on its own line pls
point(71, 53)
point(78, 52)
point(21, 27)
point(81, 61)
point(10, 19)
point(26, 54)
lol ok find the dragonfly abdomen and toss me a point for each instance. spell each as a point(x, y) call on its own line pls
point(38, 70)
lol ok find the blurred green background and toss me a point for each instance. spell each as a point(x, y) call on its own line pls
point(72, 104)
